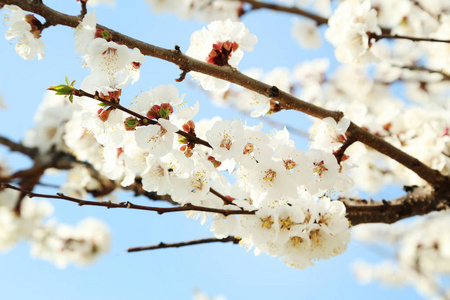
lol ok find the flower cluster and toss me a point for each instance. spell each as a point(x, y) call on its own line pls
point(282, 184)
point(420, 128)
point(300, 230)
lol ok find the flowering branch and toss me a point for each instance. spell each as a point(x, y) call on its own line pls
point(144, 119)
point(161, 245)
point(64, 161)
point(420, 201)
point(129, 205)
point(230, 74)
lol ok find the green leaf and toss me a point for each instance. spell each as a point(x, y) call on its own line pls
point(61, 89)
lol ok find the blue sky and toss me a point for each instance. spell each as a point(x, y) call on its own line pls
point(218, 269)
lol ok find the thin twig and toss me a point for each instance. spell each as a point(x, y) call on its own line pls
point(129, 205)
point(402, 37)
point(339, 154)
point(161, 245)
point(83, 8)
point(420, 201)
point(225, 200)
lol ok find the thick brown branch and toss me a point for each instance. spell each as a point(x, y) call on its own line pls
point(229, 239)
point(13, 146)
point(286, 100)
point(420, 201)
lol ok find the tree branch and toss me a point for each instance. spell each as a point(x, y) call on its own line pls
point(339, 154)
point(292, 10)
point(17, 147)
point(420, 201)
point(434, 177)
point(161, 245)
point(129, 205)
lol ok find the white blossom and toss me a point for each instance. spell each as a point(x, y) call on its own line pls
point(348, 30)
point(28, 43)
point(221, 43)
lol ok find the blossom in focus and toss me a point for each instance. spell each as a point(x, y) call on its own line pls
point(329, 135)
point(221, 43)
point(348, 30)
point(227, 139)
point(112, 65)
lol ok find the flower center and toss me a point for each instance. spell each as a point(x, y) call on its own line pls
point(319, 168)
point(289, 164)
point(248, 148)
point(286, 223)
point(226, 142)
point(295, 241)
point(270, 176)
point(221, 52)
point(266, 222)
